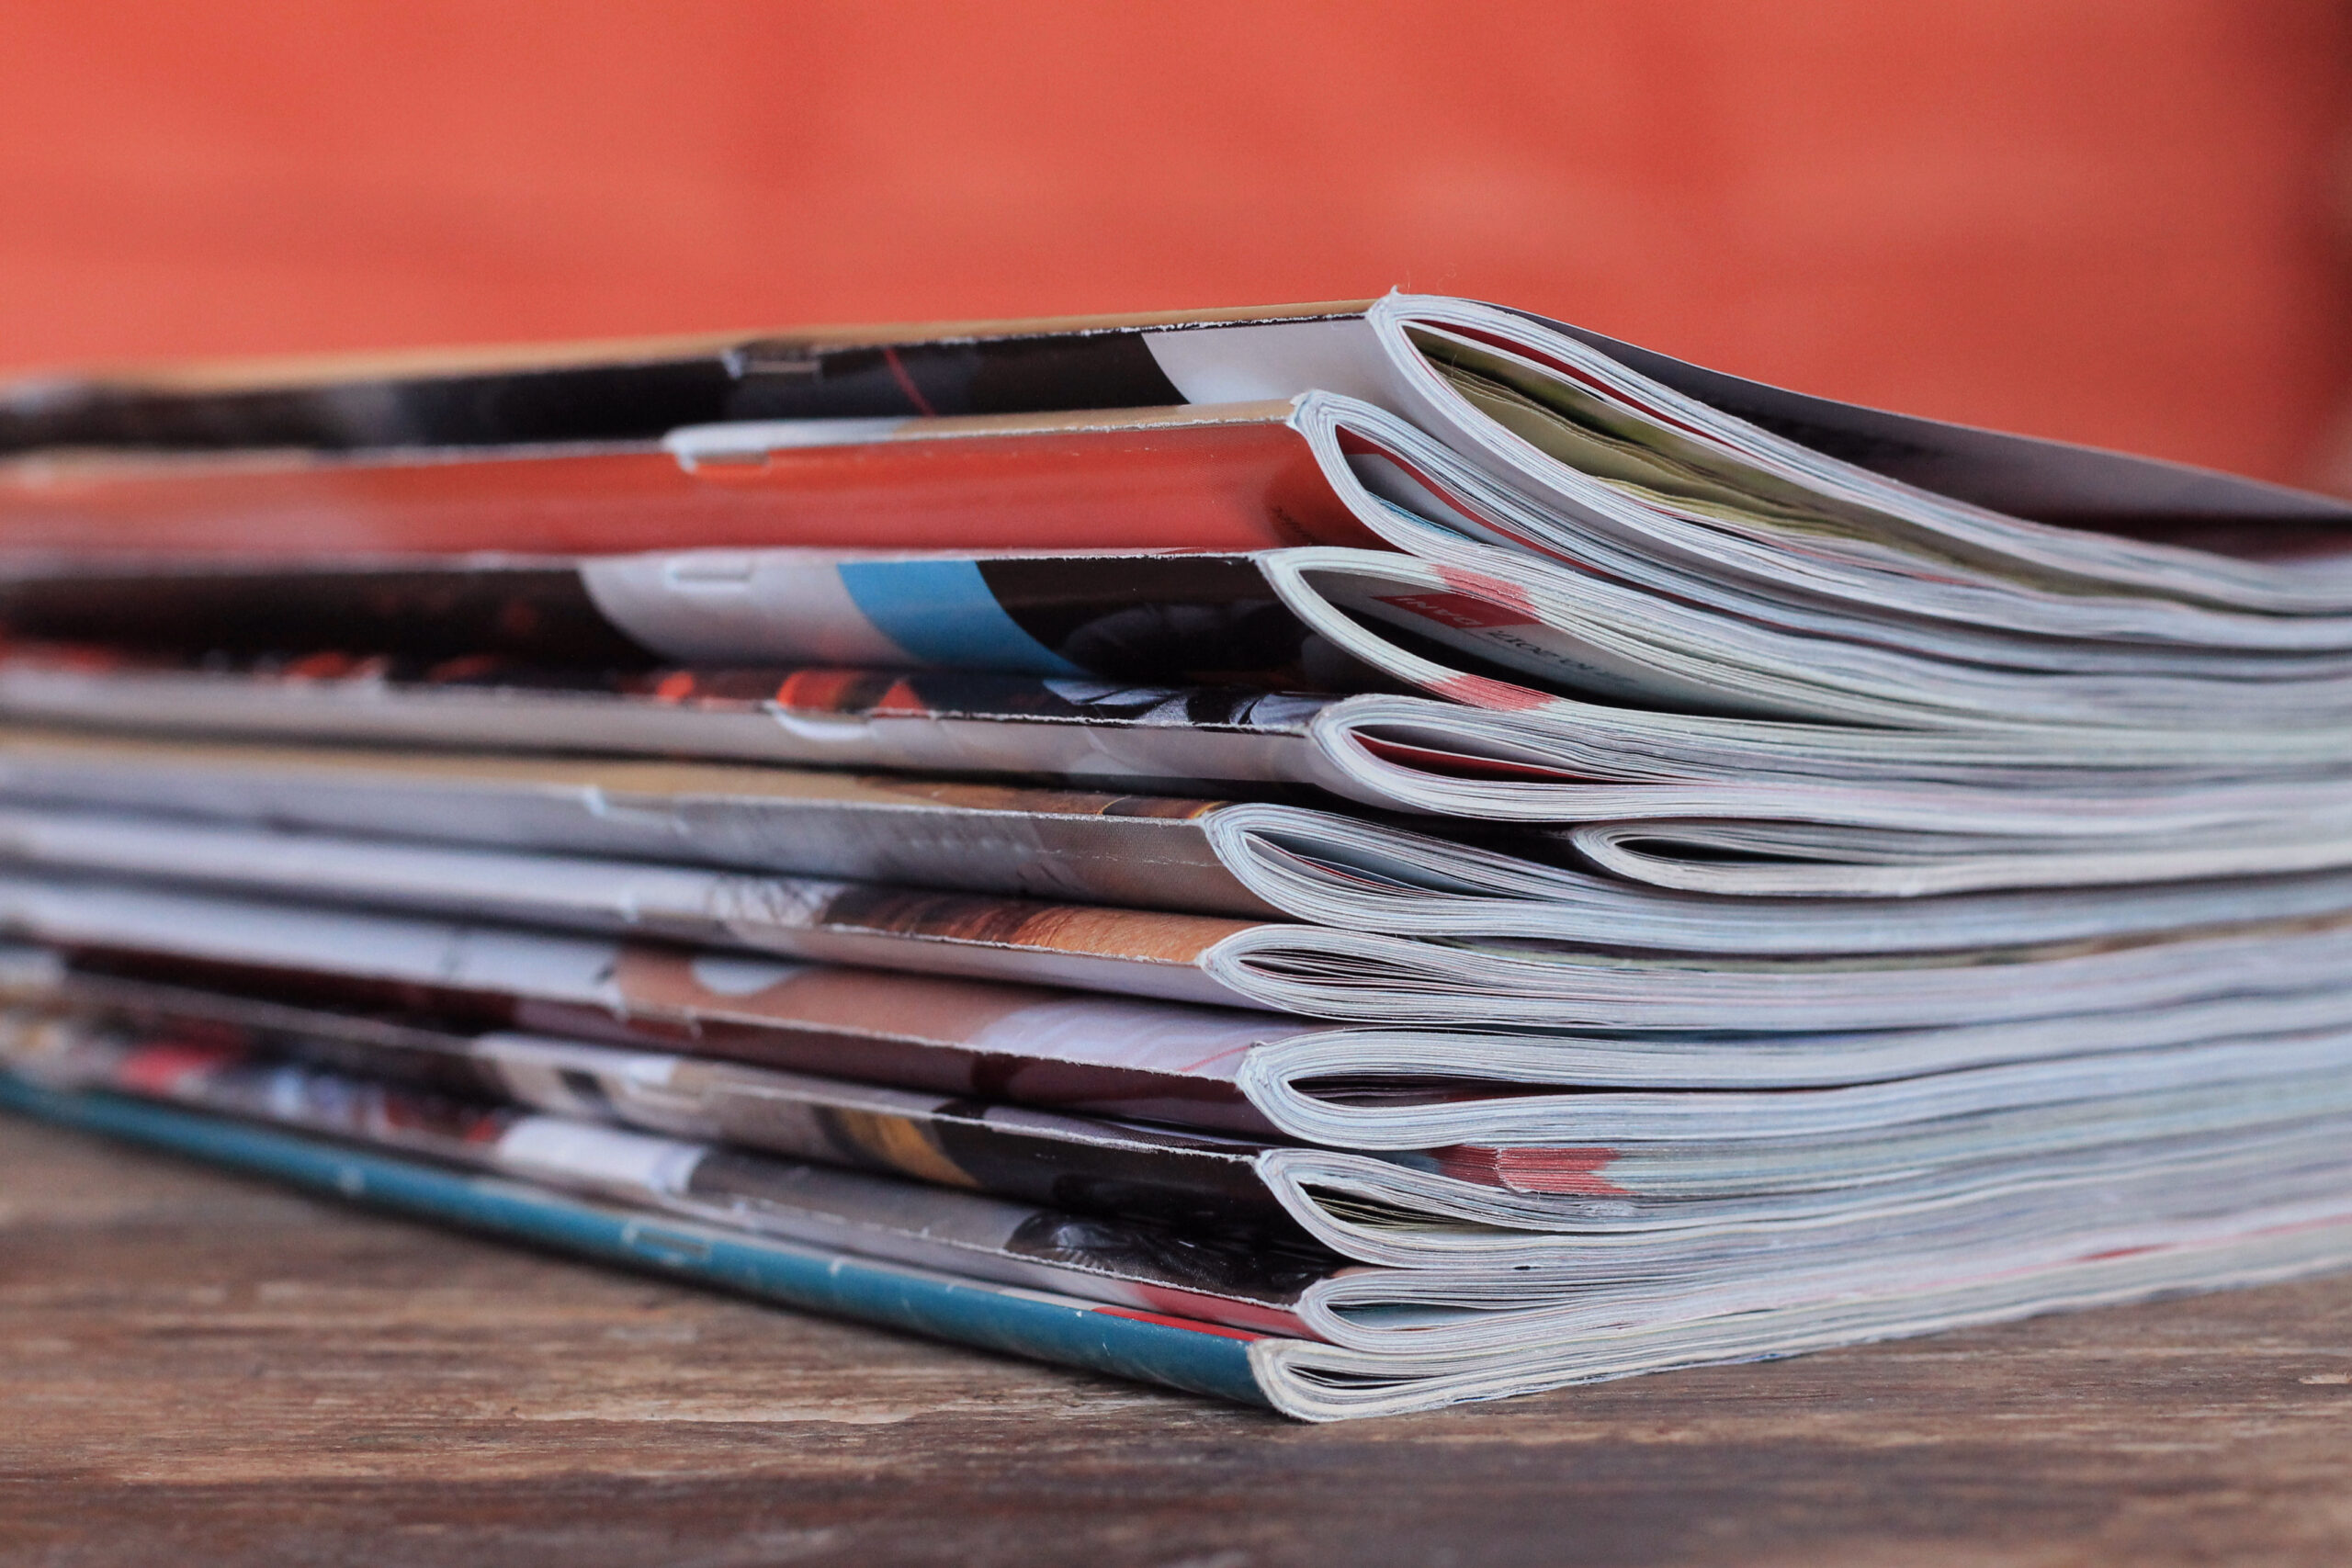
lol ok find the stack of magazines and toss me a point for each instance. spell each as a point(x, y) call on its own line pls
point(1350, 857)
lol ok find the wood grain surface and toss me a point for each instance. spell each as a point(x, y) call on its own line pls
point(200, 1368)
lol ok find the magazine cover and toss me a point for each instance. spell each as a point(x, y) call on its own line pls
point(1084, 1164)
point(1226, 1271)
point(1181, 1353)
point(1233, 477)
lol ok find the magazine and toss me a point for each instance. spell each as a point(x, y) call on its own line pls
point(606, 391)
point(1282, 966)
point(1227, 1270)
point(1158, 617)
point(643, 390)
point(2153, 806)
point(1249, 859)
point(1485, 629)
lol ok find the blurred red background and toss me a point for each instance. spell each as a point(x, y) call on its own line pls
point(2124, 222)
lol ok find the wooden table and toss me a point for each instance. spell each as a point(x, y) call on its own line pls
point(202, 1368)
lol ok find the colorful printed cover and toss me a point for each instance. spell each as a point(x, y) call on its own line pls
point(1138, 952)
point(1184, 1353)
point(1027, 1044)
point(622, 391)
point(1327, 620)
point(1085, 1165)
point(1076, 731)
point(1148, 852)
point(1236, 477)
point(1156, 618)
point(1231, 1272)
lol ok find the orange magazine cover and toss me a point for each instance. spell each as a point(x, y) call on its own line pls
point(1225, 477)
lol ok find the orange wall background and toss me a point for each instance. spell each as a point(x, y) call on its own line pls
point(2124, 221)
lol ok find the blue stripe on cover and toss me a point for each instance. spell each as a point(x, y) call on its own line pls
point(1199, 1362)
point(943, 613)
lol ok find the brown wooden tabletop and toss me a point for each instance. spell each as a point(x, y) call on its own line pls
point(203, 1369)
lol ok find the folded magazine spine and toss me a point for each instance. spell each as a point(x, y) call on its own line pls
point(1152, 1347)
